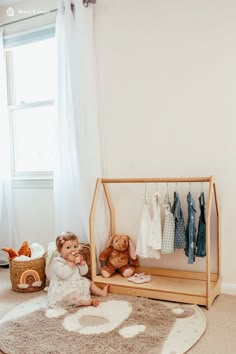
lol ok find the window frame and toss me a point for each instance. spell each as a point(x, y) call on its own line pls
point(30, 179)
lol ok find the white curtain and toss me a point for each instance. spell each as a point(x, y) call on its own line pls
point(8, 237)
point(78, 153)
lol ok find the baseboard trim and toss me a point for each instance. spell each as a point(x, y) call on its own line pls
point(227, 288)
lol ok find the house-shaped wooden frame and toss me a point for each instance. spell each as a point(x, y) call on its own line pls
point(167, 284)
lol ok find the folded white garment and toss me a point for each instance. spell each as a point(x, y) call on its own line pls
point(37, 250)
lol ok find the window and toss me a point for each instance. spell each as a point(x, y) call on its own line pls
point(31, 102)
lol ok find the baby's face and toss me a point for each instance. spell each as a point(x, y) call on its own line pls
point(69, 247)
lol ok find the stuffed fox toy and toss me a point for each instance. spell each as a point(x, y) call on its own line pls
point(12, 253)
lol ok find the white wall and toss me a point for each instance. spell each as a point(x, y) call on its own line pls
point(166, 85)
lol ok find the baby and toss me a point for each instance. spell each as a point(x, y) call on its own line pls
point(68, 286)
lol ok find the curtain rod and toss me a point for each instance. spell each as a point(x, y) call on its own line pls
point(85, 2)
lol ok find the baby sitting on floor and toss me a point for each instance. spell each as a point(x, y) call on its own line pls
point(68, 287)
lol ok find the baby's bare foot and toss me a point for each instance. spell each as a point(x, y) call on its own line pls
point(105, 290)
point(95, 302)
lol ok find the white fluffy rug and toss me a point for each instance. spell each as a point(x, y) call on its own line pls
point(120, 324)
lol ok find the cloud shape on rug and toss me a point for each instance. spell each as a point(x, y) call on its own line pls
point(131, 331)
point(115, 312)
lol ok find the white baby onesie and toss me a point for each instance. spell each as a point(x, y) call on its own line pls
point(150, 233)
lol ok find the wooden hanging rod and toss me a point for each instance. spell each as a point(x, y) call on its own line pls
point(157, 180)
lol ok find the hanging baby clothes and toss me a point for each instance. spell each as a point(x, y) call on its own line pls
point(150, 233)
point(201, 237)
point(176, 209)
point(190, 249)
point(168, 241)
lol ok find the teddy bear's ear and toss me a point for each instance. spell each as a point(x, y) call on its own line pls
point(132, 250)
point(109, 243)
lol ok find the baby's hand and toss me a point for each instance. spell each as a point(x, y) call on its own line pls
point(71, 258)
point(79, 259)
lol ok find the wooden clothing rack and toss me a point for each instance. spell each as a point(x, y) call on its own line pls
point(167, 284)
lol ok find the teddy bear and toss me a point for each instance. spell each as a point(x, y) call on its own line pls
point(119, 254)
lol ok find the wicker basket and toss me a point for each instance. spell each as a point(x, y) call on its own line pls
point(28, 276)
point(85, 252)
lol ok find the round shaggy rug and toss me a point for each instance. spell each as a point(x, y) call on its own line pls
point(120, 324)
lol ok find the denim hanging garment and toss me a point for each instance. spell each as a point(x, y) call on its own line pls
point(201, 237)
point(190, 249)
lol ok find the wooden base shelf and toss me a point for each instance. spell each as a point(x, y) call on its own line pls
point(190, 290)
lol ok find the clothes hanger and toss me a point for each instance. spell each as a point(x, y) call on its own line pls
point(202, 187)
point(157, 194)
point(145, 194)
point(167, 192)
